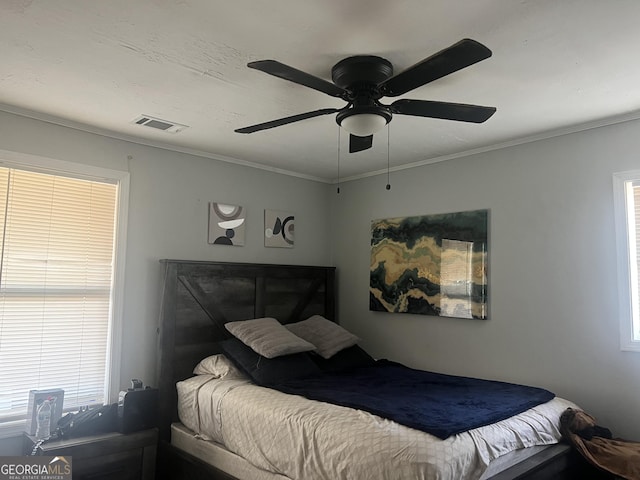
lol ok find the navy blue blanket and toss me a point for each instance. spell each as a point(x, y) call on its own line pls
point(439, 404)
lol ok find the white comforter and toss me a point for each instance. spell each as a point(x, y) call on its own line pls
point(305, 439)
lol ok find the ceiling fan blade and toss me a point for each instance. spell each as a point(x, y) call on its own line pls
point(286, 120)
point(280, 70)
point(456, 57)
point(445, 110)
point(358, 144)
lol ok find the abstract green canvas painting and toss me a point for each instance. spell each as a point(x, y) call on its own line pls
point(430, 265)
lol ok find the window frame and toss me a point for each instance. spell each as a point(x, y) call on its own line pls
point(121, 179)
point(628, 290)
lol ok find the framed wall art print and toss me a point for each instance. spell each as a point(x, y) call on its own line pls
point(278, 229)
point(226, 224)
point(430, 265)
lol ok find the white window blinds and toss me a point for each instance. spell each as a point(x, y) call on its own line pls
point(634, 227)
point(56, 271)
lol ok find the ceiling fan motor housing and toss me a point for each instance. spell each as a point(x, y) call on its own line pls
point(361, 69)
point(360, 76)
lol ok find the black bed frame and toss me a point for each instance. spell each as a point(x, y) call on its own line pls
point(200, 297)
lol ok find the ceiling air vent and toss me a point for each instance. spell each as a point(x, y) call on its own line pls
point(159, 124)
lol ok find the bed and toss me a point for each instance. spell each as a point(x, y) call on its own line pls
point(200, 298)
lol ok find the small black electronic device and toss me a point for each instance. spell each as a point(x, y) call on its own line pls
point(88, 421)
point(137, 408)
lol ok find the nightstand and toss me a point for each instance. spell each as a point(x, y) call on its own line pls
point(111, 455)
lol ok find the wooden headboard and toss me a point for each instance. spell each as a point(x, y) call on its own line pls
point(200, 297)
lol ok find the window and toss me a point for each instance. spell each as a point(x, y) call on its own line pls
point(58, 238)
point(627, 209)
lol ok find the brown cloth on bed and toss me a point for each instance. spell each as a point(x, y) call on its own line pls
point(614, 455)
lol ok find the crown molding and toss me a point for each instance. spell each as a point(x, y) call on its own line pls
point(604, 122)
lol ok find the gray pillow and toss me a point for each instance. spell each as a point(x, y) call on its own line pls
point(268, 337)
point(328, 337)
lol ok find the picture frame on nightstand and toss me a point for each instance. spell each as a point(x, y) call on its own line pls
point(36, 398)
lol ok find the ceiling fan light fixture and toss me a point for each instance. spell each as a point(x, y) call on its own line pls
point(363, 124)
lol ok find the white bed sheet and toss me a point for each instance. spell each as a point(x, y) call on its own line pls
point(296, 437)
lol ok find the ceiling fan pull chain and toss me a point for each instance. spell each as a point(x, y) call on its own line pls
point(338, 189)
point(388, 187)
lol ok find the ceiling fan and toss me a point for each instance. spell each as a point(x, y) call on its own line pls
point(363, 80)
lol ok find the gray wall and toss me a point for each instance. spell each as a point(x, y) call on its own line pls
point(168, 207)
point(552, 268)
point(553, 294)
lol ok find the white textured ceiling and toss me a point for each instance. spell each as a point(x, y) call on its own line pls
point(557, 66)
